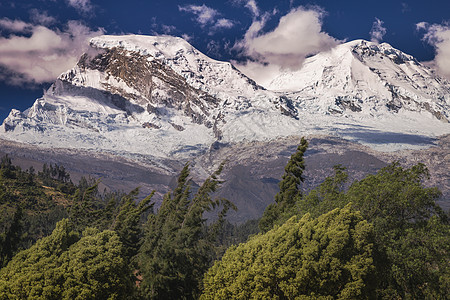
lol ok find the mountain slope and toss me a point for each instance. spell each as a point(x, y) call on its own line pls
point(158, 97)
point(364, 76)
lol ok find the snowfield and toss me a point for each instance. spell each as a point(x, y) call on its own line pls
point(159, 96)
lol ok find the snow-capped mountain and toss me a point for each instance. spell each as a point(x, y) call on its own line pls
point(364, 76)
point(159, 96)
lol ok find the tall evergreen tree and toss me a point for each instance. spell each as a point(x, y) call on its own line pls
point(85, 210)
point(127, 223)
point(10, 240)
point(285, 199)
point(178, 246)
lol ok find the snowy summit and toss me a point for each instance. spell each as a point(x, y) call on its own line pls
point(159, 96)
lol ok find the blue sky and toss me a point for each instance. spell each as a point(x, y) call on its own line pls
point(40, 39)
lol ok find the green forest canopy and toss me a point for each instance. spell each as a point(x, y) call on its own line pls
point(380, 237)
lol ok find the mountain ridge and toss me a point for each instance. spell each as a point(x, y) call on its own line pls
point(159, 96)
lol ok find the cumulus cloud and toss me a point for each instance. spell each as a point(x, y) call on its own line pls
point(438, 36)
point(42, 53)
point(204, 14)
point(14, 25)
point(298, 35)
point(84, 6)
point(168, 29)
point(207, 16)
point(378, 31)
point(41, 18)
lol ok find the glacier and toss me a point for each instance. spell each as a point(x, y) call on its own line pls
point(158, 96)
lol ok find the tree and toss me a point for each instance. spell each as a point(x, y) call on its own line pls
point(65, 266)
point(10, 240)
point(178, 246)
point(96, 268)
point(127, 223)
point(285, 199)
point(395, 197)
point(330, 194)
point(330, 257)
point(87, 207)
point(6, 167)
point(409, 227)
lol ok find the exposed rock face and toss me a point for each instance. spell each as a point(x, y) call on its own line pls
point(155, 103)
point(251, 174)
point(110, 100)
point(361, 76)
point(152, 83)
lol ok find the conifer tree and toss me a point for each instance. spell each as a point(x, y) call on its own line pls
point(11, 239)
point(178, 246)
point(127, 223)
point(85, 211)
point(289, 192)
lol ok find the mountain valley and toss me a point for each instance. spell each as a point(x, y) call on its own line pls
point(135, 109)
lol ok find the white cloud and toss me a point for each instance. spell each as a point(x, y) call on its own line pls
point(41, 18)
point(44, 53)
point(168, 29)
point(405, 7)
point(251, 5)
point(378, 31)
point(422, 26)
point(223, 23)
point(298, 34)
point(205, 15)
point(439, 37)
point(187, 37)
point(17, 26)
point(83, 6)
point(213, 48)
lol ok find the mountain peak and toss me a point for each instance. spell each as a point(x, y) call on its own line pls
point(362, 75)
point(159, 96)
point(160, 47)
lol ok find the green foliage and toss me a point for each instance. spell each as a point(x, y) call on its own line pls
point(328, 257)
point(419, 260)
point(330, 194)
point(410, 227)
point(115, 211)
point(179, 246)
point(395, 197)
point(402, 212)
point(233, 234)
point(57, 177)
point(127, 223)
point(286, 198)
point(63, 266)
point(39, 208)
point(10, 240)
point(87, 208)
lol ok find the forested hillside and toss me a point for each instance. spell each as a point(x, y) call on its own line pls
point(382, 237)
